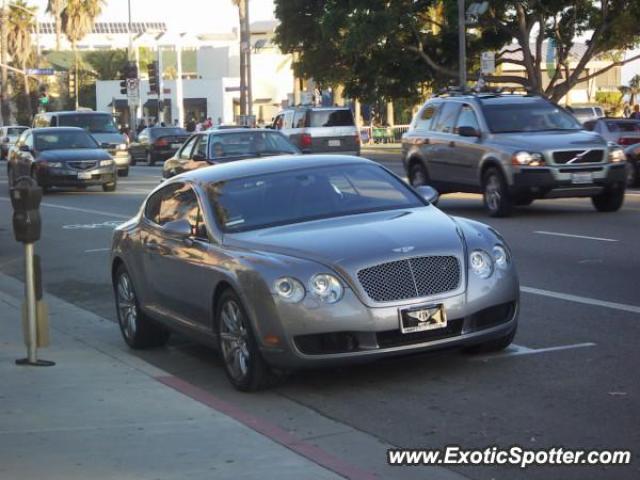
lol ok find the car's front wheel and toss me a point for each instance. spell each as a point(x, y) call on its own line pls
point(138, 330)
point(132, 160)
point(243, 363)
point(124, 172)
point(610, 200)
point(109, 187)
point(151, 159)
point(418, 175)
point(497, 198)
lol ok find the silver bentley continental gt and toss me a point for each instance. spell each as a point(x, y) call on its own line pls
point(290, 262)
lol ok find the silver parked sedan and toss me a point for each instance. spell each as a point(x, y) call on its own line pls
point(296, 261)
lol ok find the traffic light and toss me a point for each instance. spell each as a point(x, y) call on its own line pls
point(72, 81)
point(152, 70)
point(130, 71)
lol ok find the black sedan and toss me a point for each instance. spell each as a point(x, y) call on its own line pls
point(226, 145)
point(633, 165)
point(61, 156)
point(156, 144)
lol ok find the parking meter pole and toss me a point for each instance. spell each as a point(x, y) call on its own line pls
point(25, 198)
point(30, 295)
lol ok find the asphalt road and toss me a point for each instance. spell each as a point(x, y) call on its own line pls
point(572, 380)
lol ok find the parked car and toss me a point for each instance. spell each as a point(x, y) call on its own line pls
point(513, 149)
point(99, 124)
point(8, 137)
point(226, 145)
point(622, 131)
point(61, 157)
point(633, 165)
point(156, 144)
point(586, 113)
point(302, 261)
point(320, 129)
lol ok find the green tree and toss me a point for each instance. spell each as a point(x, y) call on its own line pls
point(395, 47)
point(21, 22)
point(54, 8)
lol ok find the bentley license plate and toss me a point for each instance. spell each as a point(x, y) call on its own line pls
point(422, 318)
point(581, 178)
point(334, 143)
point(84, 175)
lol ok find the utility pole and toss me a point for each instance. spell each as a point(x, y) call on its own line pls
point(462, 44)
point(4, 35)
point(242, 11)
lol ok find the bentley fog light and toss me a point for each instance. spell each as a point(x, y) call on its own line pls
point(289, 289)
point(500, 256)
point(481, 263)
point(326, 287)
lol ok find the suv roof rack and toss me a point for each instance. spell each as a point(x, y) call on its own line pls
point(484, 93)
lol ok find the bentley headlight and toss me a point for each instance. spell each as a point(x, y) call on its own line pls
point(54, 164)
point(501, 256)
point(326, 287)
point(481, 263)
point(106, 163)
point(289, 289)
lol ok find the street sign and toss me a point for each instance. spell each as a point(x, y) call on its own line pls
point(41, 71)
point(488, 63)
point(133, 90)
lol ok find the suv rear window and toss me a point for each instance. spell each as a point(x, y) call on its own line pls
point(624, 126)
point(331, 118)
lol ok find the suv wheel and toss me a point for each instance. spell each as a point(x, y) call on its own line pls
point(418, 174)
point(497, 198)
point(610, 200)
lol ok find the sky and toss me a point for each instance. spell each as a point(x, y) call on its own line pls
point(195, 16)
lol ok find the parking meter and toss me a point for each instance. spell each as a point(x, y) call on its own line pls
point(26, 196)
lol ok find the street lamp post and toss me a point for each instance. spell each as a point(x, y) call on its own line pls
point(462, 44)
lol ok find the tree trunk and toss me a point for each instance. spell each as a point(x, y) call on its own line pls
point(76, 83)
point(58, 26)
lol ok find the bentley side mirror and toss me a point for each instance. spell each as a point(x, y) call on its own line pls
point(198, 157)
point(430, 194)
point(25, 148)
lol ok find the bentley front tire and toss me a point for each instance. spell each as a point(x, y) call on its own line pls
point(243, 363)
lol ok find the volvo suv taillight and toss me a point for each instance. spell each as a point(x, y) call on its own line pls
point(305, 140)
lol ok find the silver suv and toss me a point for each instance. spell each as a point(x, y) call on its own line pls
point(320, 129)
point(513, 149)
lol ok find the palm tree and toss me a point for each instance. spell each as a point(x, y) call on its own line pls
point(55, 7)
point(20, 25)
point(78, 17)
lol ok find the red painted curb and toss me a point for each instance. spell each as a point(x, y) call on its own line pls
point(275, 433)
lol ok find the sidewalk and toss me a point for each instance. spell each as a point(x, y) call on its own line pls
point(102, 413)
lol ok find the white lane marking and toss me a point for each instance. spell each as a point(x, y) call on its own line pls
point(578, 299)
point(570, 235)
point(518, 350)
point(94, 250)
point(76, 209)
